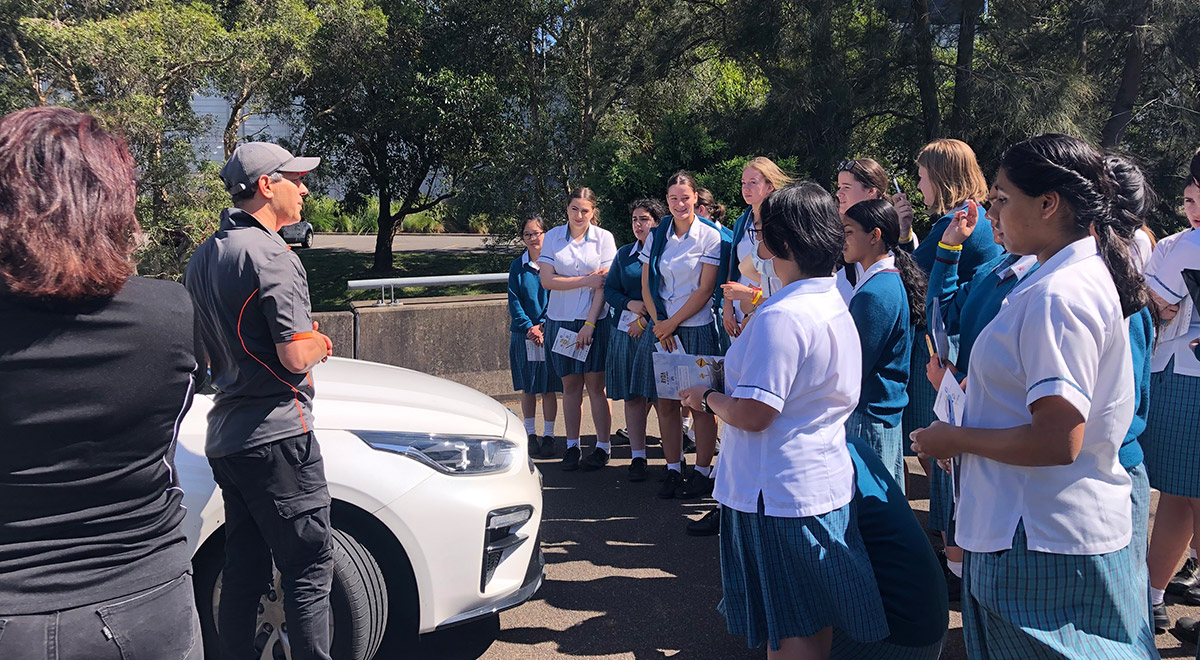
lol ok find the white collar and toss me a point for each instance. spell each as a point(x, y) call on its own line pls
point(1020, 268)
point(1078, 251)
point(885, 264)
point(588, 235)
point(636, 249)
point(526, 261)
point(804, 286)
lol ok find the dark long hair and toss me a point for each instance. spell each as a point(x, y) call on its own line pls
point(868, 173)
point(67, 196)
point(716, 212)
point(1194, 170)
point(656, 207)
point(878, 214)
point(1077, 172)
point(801, 223)
point(1132, 202)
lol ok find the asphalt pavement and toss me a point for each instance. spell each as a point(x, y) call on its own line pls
point(623, 580)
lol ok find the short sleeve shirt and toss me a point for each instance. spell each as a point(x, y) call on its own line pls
point(250, 293)
point(682, 260)
point(1060, 332)
point(799, 355)
point(1164, 275)
point(595, 251)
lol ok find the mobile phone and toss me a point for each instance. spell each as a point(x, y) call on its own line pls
point(896, 182)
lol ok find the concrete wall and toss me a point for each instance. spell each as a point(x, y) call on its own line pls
point(460, 338)
point(340, 328)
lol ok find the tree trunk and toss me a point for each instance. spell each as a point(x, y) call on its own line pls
point(387, 222)
point(964, 72)
point(926, 78)
point(1131, 78)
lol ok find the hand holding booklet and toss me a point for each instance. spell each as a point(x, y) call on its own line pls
point(535, 352)
point(678, 371)
point(950, 407)
point(564, 344)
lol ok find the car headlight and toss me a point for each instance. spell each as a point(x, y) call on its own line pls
point(451, 454)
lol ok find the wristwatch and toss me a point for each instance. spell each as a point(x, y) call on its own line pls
point(704, 400)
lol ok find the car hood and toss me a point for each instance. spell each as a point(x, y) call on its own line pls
point(353, 394)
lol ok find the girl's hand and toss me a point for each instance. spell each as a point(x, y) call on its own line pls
point(663, 331)
point(584, 338)
point(937, 441)
point(905, 211)
point(637, 328)
point(935, 371)
point(637, 307)
point(729, 320)
point(1166, 311)
point(594, 280)
point(736, 291)
point(693, 397)
point(962, 225)
point(536, 334)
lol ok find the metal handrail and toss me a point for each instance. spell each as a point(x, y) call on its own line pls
point(387, 285)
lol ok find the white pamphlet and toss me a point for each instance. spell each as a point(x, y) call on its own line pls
point(628, 318)
point(533, 352)
point(564, 344)
point(678, 371)
point(950, 407)
point(659, 348)
point(941, 340)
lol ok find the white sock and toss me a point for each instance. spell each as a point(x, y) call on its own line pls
point(548, 427)
point(605, 447)
point(1156, 596)
point(638, 453)
point(1192, 553)
point(703, 470)
point(572, 442)
point(687, 424)
point(674, 466)
point(530, 425)
point(955, 568)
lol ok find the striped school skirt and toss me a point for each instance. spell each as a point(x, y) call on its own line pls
point(884, 440)
point(793, 577)
point(530, 377)
point(563, 365)
point(1170, 441)
point(941, 498)
point(845, 648)
point(618, 366)
point(1020, 603)
point(696, 340)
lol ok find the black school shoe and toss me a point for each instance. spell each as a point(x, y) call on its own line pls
point(709, 525)
point(620, 438)
point(548, 447)
point(637, 469)
point(1187, 577)
point(671, 482)
point(696, 485)
point(1161, 620)
point(662, 476)
point(535, 449)
point(1187, 630)
point(570, 459)
point(597, 459)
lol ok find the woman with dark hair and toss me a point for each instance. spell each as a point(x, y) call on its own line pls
point(532, 375)
point(787, 478)
point(574, 262)
point(888, 303)
point(1044, 503)
point(630, 320)
point(98, 370)
point(681, 262)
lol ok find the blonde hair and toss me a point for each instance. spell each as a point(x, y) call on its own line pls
point(953, 173)
point(770, 171)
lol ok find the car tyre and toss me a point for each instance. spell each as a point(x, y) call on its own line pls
point(307, 241)
point(358, 597)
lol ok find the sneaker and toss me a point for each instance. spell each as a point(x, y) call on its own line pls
point(672, 481)
point(548, 447)
point(570, 459)
point(637, 469)
point(620, 438)
point(1187, 630)
point(1161, 620)
point(534, 448)
point(696, 485)
point(709, 525)
point(595, 460)
point(662, 476)
point(1187, 577)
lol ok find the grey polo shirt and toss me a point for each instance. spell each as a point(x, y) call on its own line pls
point(250, 293)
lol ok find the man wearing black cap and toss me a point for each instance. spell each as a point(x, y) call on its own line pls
point(252, 308)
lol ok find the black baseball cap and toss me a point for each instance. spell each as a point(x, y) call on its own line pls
point(254, 159)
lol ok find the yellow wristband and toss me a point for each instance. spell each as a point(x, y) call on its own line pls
point(952, 248)
point(909, 238)
point(589, 323)
point(757, 298)
point(640, 324)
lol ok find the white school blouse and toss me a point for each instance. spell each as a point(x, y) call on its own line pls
point(1164, 276)
point(680, 264)
point(801, 356)
point(1060, 332)
point(595, 250)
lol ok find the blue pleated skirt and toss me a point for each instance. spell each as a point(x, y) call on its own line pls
point(697, 340)
point(1170, 442)
point(1020, 603)
point(530, 377)
point(793, 577)
point(884, 440)
point(618, 366)
point(563, 365)
point(845, 648)
point(941, 498)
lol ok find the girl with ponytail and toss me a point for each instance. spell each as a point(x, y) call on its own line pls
point(1051, 385)
point(888, 302)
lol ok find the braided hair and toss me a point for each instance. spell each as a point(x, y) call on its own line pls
point(879, 214)
point(1080, 176)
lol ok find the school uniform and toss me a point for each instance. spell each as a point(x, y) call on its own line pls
point(792, 558)
point(527, 308)
point(978, 249)
point(1169, 441)
point(593, 251)
point(675, 264)
point(881, 315)
point(967, 305)
point(623, 284)
point(745, 247)
point(1048, 569)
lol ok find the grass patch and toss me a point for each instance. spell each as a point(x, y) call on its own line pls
point(329, 270)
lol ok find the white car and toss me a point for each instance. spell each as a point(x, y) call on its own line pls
point(436, 509)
